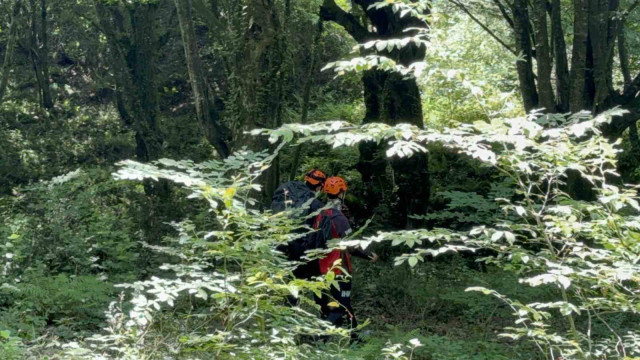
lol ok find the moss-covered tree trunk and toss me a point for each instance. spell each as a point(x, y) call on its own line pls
point(390, 98)
point(134, 45)
point(208, 118)
point(144, 93)
point(306, 98)
point(256, 76)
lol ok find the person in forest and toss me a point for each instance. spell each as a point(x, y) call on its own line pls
point(297, 194)
point(330, 224)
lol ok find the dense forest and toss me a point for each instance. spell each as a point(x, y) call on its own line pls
point(471, 172)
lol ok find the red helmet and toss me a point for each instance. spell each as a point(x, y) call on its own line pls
point(315, 177)
point(335, 185)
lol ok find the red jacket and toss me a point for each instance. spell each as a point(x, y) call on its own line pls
point(339, 229)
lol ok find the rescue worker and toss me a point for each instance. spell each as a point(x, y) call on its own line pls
point(332, 224)
point(297, 194)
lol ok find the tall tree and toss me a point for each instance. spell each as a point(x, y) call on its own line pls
point(9, 48)
point(598, 26)
point(39, 50)
point(390, 98)
point(306, 96)
point(134, 42)
point(131, 29)
point(255, 54)
point(209, 119)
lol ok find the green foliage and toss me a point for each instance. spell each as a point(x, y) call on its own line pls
point(37, 145)
point(469, 208)
point(212, 285)
point(70, 306)
point(468, 75)
point(226, 284)
point(399, 344)
point(11, 348)
point(584, 249)
point(78, 223)
point(628, 164)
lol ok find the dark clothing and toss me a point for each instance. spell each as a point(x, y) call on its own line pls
point(309, 269)
point(292, 194)
point(296, 194)
point(338, 315)
point(315, 206)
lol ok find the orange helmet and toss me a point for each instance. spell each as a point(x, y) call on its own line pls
point(335, 185)
point(315, 177)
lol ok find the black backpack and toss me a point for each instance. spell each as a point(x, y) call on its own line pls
point(324, 231)
point(294, 194)
point(315, 240)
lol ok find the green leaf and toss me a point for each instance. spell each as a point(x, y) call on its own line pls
point(413, 261)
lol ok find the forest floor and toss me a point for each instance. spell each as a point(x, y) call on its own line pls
point(435, 309)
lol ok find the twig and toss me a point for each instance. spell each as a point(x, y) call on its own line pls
point(483, 26)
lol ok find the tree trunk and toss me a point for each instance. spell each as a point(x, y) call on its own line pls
point(372, 163)
point(306, 97)
point(521, 26)
point(543, 56)
point(560, 50)
point(133, 44)
point(39, 52)
point(589, 85)
point(9, 49)
point(598, 26)
point(143, 78)
point(392, 99)
point(256, 64)
point(579, 55)
point(207, 116)
point(613, 26)
point(633, 137)
point(47, 99)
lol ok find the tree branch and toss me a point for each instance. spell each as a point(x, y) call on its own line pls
point(330, 11)
point(483, 26)
point(630, 9)
point(624, 58)
point(504, 12)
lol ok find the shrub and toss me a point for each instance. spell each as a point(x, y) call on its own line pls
point(66, 306)
point(225, 286)
point(584, 250)
point(11, 348)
